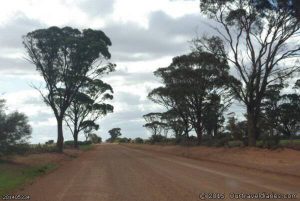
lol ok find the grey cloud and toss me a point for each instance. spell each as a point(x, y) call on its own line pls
point(96, 7)
point(15, 66)
point(11, 34)
point(128, 98)
point(41, 117)
point(34, 101)
point(133, 78)
point(11, 41)
point(166, 36)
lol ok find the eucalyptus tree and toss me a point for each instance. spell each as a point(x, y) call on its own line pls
point(114, 134)
point(261, 37)
point(65, 58)
point(88, 105)
point(281, 111)
point(189, 82)
point(154, 123)
point(174, 122)
point(213, 114)
point(170, 100)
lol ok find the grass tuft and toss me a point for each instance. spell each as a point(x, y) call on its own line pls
point(14, 176)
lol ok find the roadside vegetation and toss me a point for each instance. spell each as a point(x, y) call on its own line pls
point(14, 176)
point(27, 162)
point(21, 162)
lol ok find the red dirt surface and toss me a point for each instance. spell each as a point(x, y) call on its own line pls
point(285, 161)
point(121, 173)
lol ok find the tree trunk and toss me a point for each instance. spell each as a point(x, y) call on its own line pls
point(186, 132)
point(252, 131)
point(198, 130)
point(75, 137)
point(60, 137)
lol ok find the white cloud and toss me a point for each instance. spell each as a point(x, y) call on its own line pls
point(145, 35)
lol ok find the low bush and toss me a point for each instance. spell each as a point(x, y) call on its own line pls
point(138, 140)
point(236, 143)
point(123, 140)
point(36, 149)
point(71, 143)
point(157, 139)
point(221, 142)
point(269, 141)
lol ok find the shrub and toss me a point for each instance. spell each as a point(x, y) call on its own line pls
point(138, 140)
point(221, 142)
point(122, 140)
point(35, 149)
point(50, 142)
point(157, 139)
point(14, 130)
point(236, 143)
point(191, 141)
point(71, 143)
point(270, 142)
point(19, 149)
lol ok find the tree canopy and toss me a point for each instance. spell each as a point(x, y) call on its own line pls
point(259, 37)
point(194, 83)
point(14, 128)
point(66, 57)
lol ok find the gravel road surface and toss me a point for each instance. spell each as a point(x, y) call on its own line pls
point(116, 173)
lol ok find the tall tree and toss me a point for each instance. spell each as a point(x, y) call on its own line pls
point(281, 112)
point(154, 123)
point(174, 122)
point(65, 58)
point(213, 114)
point(261, 37)
point(168, 98)
point(190, 80)
point(88, 106)
point(114, 134)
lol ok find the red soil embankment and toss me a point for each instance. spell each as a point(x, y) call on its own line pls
point(284, 161)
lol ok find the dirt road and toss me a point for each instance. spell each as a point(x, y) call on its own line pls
point(118, 173)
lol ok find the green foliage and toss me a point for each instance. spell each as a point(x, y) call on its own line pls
point(88, 106)
point(237, 130)
point(123, 140)
point(71, 143)
point(13, 177)
point(195, 89)
point(39, 148)
point(157, 139)
point(236, 143)
point(86, 147)
point(253, 27)
point(95, 139)
point(50, 142)
point(14, 131)
point(281, 111)
point(138, 140)
point(154, 123)
point(65, 58)
point(270, 141)
point(114, 133)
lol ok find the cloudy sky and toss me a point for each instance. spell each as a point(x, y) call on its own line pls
point(145, 35)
